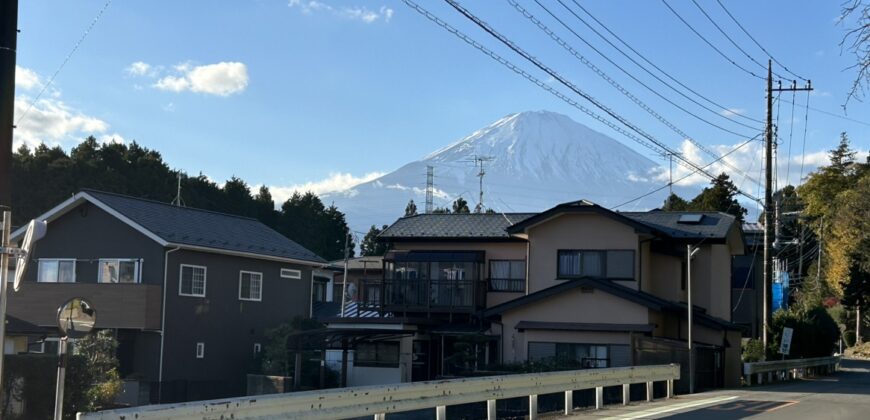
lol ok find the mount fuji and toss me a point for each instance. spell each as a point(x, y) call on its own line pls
point(536, 160)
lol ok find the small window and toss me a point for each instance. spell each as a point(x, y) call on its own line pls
point(620, 264)
point(507, 275)
point(57, 271)
point(379, 354)
point(192, 281)
point(257, 349)
point(250, 285)
point(690, 219)
point(118, 271)
point(318, 289)
point(200, 350)
point(289, 273)
point(581, 264)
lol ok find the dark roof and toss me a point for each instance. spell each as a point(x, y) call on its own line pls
point(18, 326)
point(642, 298)
point(203, 228)
point(579, 206)
point(446, 226)
point(582, 326)
point(714, 225)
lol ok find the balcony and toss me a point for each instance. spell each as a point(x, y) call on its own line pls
point(122, 305)
point(433, 295)
point(430, 282)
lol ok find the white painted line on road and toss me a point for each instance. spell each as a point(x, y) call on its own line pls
point(676, 407)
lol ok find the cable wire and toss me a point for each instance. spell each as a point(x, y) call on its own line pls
point(65, 60)
point(804, 146)
point(675, 80)
point(710, 43)
point(616, 85)
point(722, 31)
point(606, 57)
point(650, 140)
point(739, 25)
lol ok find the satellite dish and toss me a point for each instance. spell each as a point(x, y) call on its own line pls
point(35, 231)
point(76, 318)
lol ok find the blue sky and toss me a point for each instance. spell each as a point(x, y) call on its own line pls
point(324, 93)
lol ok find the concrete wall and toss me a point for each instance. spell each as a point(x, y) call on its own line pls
point(575, 231)
point(572, 306)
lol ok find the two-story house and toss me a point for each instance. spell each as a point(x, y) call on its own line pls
point(189, 293)
point(577, 281)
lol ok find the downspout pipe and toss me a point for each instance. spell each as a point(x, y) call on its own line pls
point(163, 322)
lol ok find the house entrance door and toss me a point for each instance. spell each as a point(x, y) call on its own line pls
point(420, 361)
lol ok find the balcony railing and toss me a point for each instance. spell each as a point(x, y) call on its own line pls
point(415, 295)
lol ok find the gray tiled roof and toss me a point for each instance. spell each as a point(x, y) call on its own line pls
point(472, 225)
point(712, 225)
point(196, 227)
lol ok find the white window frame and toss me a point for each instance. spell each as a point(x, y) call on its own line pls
point(58, 260)
point(259, 298)
point(200, 350)
point(138, 269)
point(204, 279)
point(291, 273)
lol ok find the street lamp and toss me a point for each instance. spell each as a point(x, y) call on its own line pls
point(690, 253)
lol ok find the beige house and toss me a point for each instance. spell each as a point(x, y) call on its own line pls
point(577, 282)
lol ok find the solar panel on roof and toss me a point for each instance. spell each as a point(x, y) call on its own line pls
point(690, 218)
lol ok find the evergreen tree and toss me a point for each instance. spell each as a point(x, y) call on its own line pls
point(410, 209)
point(440, 210)
point(460, 206)
point(719, 196)
point(675, 203)
point(370, 246)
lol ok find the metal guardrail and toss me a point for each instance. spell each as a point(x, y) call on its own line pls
point(378, 400)
point(793, 367)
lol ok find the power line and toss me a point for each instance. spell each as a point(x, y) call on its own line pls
point(842, 117)
point(614, 83)
point(739, 25)
point(686, 176)
point(790, 135)
point(722, 31)
point(65, 60)
point(650, 142)
point(675, 80)
point(564, 44)
point(710, 43)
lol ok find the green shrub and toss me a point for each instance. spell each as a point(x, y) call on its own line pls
point(753, 351)
point(849, 338)
point(815, 332)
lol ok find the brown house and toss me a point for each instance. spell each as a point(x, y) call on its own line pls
point(577, 282)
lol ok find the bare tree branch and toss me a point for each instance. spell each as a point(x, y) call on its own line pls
point(857, 41)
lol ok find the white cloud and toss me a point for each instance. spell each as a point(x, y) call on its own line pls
point(140, 68)
point(112, 138)
point(221, 79)
point(51, 121)
point(170, 107)
point(335, 182)
point(748, 160)
point(360, 13)
point(26, 79)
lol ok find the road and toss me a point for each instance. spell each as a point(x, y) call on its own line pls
point(845, 395)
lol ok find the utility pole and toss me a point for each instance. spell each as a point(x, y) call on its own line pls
point(430, 188)
point(690, 253)
point(769, 209)
point(480, 161)
point(8, 48)
point(344, 279)
point(671, 175)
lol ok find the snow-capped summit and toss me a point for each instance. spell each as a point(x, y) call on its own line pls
point(536, 159)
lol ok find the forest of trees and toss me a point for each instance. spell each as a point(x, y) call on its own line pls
point(45, 176)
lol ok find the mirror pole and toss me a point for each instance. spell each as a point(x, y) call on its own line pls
point(5, 240)
point(61, 374)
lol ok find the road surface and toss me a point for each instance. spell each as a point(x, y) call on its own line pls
point(845, 395)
